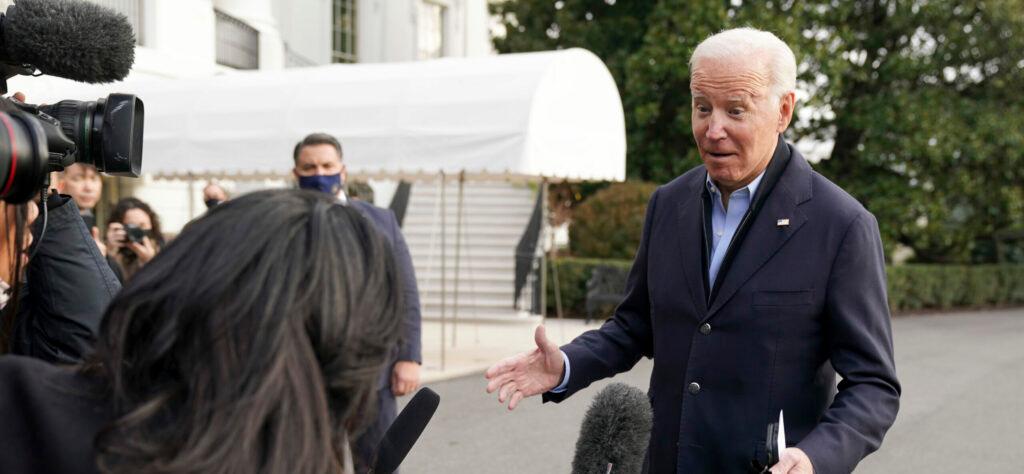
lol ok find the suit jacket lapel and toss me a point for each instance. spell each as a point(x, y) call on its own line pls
point(690, 235)
point(777, 221)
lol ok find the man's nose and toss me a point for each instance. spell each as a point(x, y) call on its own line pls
point(716, 128)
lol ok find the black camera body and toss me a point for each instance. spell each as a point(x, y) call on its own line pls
point(84, 42)
point(106, 133)
point(134, 233)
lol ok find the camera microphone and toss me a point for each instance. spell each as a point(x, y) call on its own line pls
point(615, 431)
point(72, 39)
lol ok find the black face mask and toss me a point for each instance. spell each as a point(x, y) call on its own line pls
point(211, 203)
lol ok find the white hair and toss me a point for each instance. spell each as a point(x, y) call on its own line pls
point(745, 42)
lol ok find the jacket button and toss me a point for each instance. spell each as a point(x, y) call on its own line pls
point(705, 329)
point(693, 388)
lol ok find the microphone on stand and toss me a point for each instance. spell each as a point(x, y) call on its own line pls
point(615, 431)
point(404, 432)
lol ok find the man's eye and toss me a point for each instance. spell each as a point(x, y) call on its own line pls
point(736, 111)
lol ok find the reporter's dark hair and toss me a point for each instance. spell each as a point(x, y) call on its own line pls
point(10, 311)
point(252, 342)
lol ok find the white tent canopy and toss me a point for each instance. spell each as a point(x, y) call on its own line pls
point(554, 114)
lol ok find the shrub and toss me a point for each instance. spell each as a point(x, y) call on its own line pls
point(608, 224)
point(911, 287)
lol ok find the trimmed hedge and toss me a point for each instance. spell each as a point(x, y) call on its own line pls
point(911, 287)
point(608, 224)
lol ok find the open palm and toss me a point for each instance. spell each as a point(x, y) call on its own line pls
point(527, 374)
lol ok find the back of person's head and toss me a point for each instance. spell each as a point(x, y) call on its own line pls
point(252, 343)
point(127, 204)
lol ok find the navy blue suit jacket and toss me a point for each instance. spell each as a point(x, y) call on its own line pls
point(410, 348)
point(800, 303)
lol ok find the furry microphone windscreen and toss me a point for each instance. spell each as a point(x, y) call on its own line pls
point(615, 432)
point(71, 39)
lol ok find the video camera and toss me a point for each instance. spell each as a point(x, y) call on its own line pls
point(83, 42)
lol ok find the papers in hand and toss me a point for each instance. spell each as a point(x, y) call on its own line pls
point(781, 438)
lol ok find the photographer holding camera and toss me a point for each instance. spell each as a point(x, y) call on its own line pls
point(51, 303)
point(58, 288)
point(133, 237)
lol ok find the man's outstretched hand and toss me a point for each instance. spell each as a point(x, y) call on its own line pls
point(527, 374)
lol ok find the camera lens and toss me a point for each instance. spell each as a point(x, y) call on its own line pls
point(23, 157)
point(107, 132)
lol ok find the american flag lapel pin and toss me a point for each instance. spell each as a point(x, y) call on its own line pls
point(782, 222)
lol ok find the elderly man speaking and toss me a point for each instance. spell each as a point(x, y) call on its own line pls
point(756, 281)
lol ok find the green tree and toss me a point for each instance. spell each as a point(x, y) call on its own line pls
point(920, 98)
point(923, 102)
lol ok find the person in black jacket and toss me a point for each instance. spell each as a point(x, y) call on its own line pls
point(252, 343)
point(55, 315)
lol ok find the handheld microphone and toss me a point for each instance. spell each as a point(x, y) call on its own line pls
point(76, 40)
point(615, 431)
point(404, 432)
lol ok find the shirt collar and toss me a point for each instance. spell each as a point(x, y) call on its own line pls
point(752, 186)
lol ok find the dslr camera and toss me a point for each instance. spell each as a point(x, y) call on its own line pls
point(79, 41)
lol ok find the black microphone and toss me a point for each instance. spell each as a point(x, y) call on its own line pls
point(404, 432)
point(615, 431)
point(76, 40)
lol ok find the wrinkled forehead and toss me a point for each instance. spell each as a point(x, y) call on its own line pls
point(730, 78)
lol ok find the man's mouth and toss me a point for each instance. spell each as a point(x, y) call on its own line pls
point(719, 155)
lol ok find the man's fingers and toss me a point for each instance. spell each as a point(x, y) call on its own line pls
point(516, 398)
point(506, 391)
point(784, 465)
point(502, 366)
point(498, 381)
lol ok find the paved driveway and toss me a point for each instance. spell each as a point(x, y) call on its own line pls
point(961, 411)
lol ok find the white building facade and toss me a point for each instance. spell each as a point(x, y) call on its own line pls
point(202, 38)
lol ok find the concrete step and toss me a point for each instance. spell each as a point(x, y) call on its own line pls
point(433, 303)
point(428, 230)
point(491, 252)
point(504, 316)
point(473, 221)
point(478, 263)
point(431, 276)
point(430, 216)
point(424, 244)
point(468, 291)
point(472, 190)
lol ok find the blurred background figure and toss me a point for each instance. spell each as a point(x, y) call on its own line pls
point(213, 195)
point(133, 237)
point(223, 354)
point(82, 182)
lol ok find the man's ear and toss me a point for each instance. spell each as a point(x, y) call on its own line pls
point(786, 105)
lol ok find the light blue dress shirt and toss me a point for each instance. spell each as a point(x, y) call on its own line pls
point(724, 223)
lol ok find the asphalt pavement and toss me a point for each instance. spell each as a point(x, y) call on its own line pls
point(961, 410)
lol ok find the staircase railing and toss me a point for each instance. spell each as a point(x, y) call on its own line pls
point(528, 259)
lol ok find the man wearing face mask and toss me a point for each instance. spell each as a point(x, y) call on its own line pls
point(214, 195)
point(319, 167)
